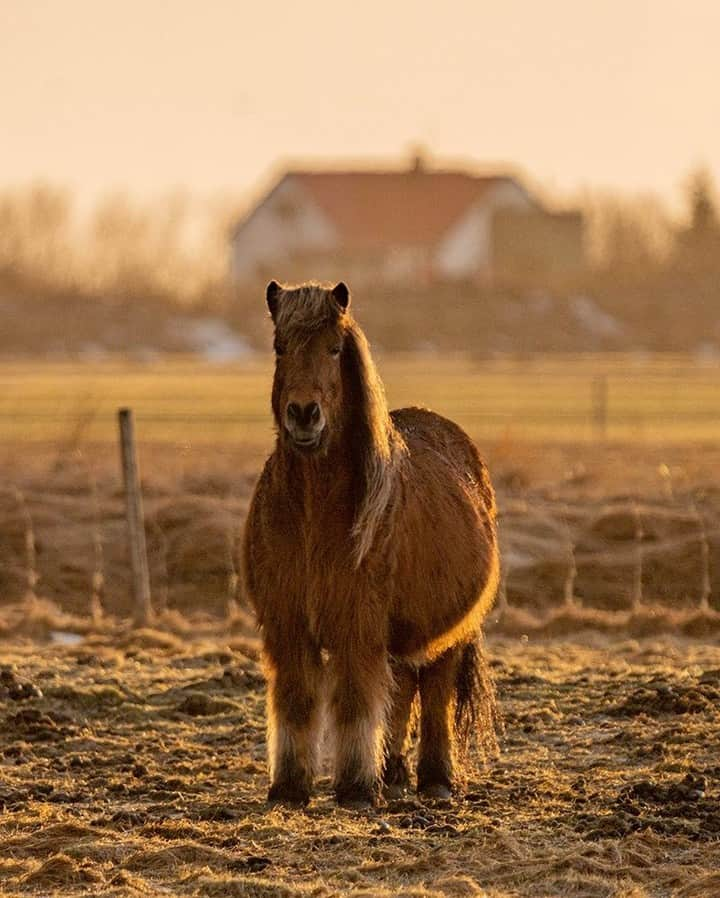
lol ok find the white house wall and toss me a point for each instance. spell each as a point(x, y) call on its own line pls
point(286, 222)
point(465, 251)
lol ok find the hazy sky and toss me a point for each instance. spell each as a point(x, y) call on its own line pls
point(151, 94)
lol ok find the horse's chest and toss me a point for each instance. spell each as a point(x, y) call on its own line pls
point(317, 557)
point(334, 593)
point(318, 572)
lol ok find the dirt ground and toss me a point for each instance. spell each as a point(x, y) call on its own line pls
point(134, 764)
point(133, 761)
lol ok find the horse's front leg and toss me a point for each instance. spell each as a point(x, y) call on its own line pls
point(359, 699)
point(294, 674)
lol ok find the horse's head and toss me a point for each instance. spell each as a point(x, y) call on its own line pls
point(310, 326)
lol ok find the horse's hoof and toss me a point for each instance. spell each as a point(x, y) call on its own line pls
point(394, 791)
point(435, 792)
point(356, 798)
point(288, 794)
point(356, 804)
point(396, 778)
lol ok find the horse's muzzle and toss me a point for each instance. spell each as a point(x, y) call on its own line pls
point(305, 425)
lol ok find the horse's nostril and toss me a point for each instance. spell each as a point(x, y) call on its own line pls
point(312, 412)
point(303, 416)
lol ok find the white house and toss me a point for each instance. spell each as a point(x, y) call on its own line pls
point(418, 225)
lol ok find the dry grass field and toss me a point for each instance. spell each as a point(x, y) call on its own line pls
point(133, 761)
point(656, 398)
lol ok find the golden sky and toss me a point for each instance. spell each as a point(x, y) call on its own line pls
point(153, 95)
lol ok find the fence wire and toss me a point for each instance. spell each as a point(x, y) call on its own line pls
point(66, 542)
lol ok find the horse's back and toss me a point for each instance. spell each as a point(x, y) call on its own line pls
point(444, 447)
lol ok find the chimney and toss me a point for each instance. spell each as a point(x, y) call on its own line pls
point(418, 160)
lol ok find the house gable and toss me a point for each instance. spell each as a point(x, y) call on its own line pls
point(286, 222)
point(466, 249)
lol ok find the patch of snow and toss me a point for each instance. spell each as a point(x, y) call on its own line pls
point(92, 352)
point(212, 338)
point(144, 354)
point(707, 353)
point(540, 304)
point(594, 319)
point(426, 347)
point(64, 637)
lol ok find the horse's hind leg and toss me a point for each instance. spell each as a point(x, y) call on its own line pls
point(437, 707)
point(395, 772)
point(294, 685)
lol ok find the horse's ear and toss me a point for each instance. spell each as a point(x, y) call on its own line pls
point(341, 295)
point(271, 296)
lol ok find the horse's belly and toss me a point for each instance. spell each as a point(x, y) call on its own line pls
point(442, 593)
point(416, 635)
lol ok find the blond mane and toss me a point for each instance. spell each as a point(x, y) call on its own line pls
point(380, 446)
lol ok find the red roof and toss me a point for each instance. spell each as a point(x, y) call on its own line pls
point(410, 208)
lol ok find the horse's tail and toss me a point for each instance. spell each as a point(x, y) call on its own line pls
point(477, 713)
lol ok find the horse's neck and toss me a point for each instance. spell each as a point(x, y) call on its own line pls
point(334, 481)
point(313, 484)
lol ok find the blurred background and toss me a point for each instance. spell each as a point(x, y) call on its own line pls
point(523, 199)
point(496, 182)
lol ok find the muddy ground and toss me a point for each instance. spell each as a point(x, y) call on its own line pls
point(134, 764)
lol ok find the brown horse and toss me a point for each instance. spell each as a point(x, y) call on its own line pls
point(371, 559)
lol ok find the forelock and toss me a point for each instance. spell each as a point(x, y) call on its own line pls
point(304, 310)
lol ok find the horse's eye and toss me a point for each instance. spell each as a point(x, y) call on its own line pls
point(279, 350)
point(335, 351)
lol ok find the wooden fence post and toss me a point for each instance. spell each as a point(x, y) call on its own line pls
point(135, 520)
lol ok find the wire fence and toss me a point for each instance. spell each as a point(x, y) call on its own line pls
point(62, 519)
point(611, 560)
